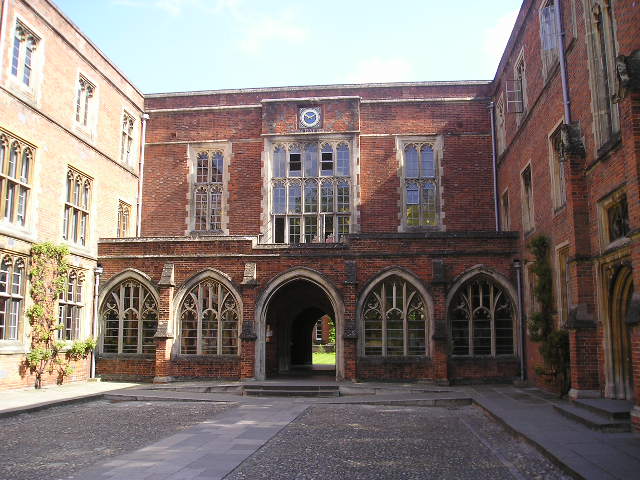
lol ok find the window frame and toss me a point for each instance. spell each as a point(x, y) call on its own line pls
point(557, 168)
point(606, 206)
point(520, 77)
point(505, 211)
point(467, 284)
point(325, 219)
point(124, 216)
point(147, 301)
point(127, 138)
point(230, 299)
point(15, 186)
point(208, 187)
point(71, 307)
point(12, 301)
point(378, 290)
point(527, 200)
point(24, 63)
point(76, 227)
point(549, 57)
point(419, 142)
point(563, 282)
point(85, 105)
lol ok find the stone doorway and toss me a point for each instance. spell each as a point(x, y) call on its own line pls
point(620, 381)
point(286, 316)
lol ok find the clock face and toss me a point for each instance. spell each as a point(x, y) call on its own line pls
point(309, 117)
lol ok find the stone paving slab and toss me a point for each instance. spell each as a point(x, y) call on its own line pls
point(208, 450)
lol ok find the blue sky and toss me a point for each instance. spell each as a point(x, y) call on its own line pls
point(183, 45)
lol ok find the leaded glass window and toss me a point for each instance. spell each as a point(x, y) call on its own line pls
point(24, 44)
point(126, 138)
point(311, 192)
point(70, 304)
point(394, 320)
point(208, 191)
point(420, 186)
point(209, 320)
point(129, 319)
point(481, 318)
point(16, 159)
point(76, 211)
point(12, 286)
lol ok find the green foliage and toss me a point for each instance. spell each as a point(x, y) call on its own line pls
point(332, 332)
point(554, 343)
point(48, 271)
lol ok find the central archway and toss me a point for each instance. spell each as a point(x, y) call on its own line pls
point(286, 312)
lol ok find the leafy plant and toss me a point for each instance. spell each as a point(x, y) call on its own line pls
point(49, 269)
point(554, 343)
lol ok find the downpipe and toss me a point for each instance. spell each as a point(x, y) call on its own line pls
point(496, 204)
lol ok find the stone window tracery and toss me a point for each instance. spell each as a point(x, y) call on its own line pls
point(394, 320)
point(12, 290)
point(208, 190)
point(420, 185)
point(481, 317)
point(85, 92)
point(124, 216)
point(209, 320)
point(24, 45)
point(16, 163)
point(130, 319)
point(126, 138)
point(311, 191)
point(76, 210)
point(70, 307)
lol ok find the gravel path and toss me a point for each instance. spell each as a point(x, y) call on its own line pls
point(378, 442)
point(55, 442)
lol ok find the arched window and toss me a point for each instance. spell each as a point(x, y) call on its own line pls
point(16, 164)
point(481, 319)
point(130, 319)
point(209, 320)
point(70, 307)
point(12, 280)
point(394, 320)
point(208, 191)
point(76, 210)
point(420, 186)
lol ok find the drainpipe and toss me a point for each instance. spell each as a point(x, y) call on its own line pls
point(563, 64)
point(94, 327)
point(523, 371)
point(496, 206)
point(143, 140)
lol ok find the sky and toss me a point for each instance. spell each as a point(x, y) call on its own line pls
point(189, 45)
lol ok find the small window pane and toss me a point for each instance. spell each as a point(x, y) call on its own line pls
point(428, 167)
point(411, 161)
point(279, 162)
point(311, 160)
point(343, 160)
point(295, 198)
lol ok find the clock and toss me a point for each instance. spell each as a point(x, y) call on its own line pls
point(309, 117)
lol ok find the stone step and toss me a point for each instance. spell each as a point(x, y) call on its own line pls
point(593, 420)
point(254, 392)
point(293, 387)
point(611, 409)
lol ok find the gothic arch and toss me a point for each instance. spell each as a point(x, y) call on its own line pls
point(414, 281)
point(262, 304)
point(502, 282)
point(181, 293)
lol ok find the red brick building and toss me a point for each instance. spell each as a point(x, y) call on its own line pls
point(402, 211)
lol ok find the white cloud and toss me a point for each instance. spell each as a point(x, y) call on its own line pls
point(257, 31)
point(495, 37)
point(376, 69)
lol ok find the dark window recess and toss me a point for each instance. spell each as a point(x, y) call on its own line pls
point(618, 219)
point(278, 236)
point(327, 163)
point(295, 164)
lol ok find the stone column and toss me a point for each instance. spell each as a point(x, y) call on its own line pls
point(583, 346)
point(350, 330)
point(248, 335)
point(439, 336)
point(164, 336)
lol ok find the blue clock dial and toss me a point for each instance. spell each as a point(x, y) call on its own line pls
point(309, 117)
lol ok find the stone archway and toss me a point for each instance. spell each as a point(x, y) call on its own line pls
point(620, 381)
point(286, 312)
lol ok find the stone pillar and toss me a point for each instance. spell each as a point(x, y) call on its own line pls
point(164, 336)
point(439, 336)
point(248, 335)
point(583, 346)
point(350, 331)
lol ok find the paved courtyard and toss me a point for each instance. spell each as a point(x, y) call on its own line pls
point(198, 440)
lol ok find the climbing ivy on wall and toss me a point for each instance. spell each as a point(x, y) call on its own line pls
point(554, 342)
point(48, 354)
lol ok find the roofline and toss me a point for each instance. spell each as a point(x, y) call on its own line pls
point(321, 87)
point(513, 38)
point(94, 46)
